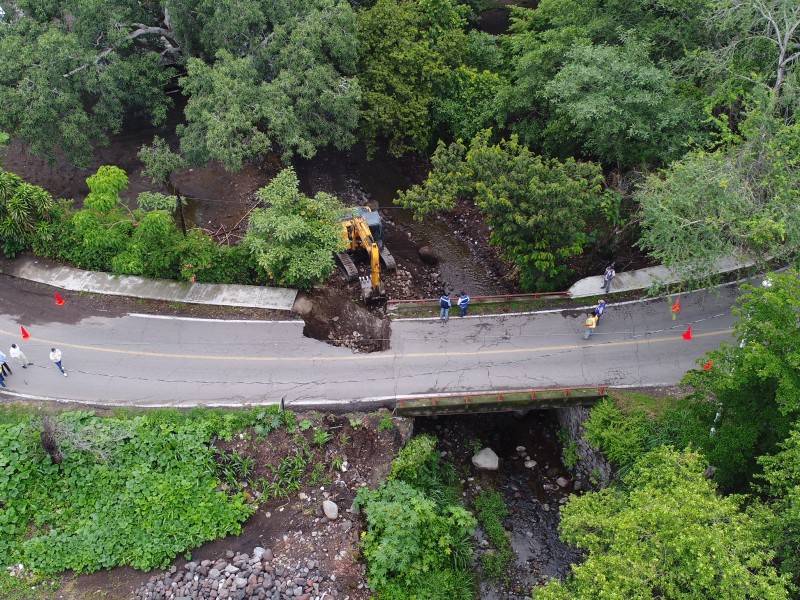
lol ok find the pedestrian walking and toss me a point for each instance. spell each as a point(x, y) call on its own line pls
point(4, 368)
point(607, 277)
point(444, 305)
point(591, 323)
point(599, 310)
point(463, 303)
point(55, 356)
point(18, 355)
point(2, 379)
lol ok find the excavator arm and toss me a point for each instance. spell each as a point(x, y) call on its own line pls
point(372, 288)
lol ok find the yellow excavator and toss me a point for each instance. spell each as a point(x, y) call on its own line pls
point(362, 230)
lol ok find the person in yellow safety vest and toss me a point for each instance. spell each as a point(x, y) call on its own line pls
point(591, 323)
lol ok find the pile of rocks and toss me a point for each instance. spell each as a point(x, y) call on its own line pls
point(241, 577)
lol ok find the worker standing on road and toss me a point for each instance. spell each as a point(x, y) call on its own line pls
point(463, 303)
point(4, 368)
point(599, 310)
point(444, 304)
point(607, 277)
point(591, 323)
point(55, 356)
point(18, 355)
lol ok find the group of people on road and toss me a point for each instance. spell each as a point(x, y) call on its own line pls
point(445, 303)
point(597, 312)
point(18, 355)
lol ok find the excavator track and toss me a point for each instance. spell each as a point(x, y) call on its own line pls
point(388, 259)
point(348, 265)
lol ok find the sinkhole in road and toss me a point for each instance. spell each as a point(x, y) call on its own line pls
point(340, 321)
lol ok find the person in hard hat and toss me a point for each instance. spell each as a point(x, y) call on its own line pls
point(591, 323)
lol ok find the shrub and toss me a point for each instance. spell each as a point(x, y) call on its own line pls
point(154, 249)
point(491, 511)
point(408, 538)
point(619, 435)
point(129, 492)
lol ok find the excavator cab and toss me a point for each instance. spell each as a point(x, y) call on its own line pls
point(362, 230)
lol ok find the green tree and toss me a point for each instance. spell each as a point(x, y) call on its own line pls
point(22, 207)
point(619, 106)
point(288, 81)
point(738, 202)
point(751, 395)
point(422, 74)
point(780, 483)
point(295, 238)
point(75, 69)
point(539, 209)
point(666, 534)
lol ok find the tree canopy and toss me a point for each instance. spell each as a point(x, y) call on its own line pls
point(295, 238)
point(539, 209)
point(666, 534)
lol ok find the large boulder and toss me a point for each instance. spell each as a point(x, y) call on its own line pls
point(486, 459)
point(330, 509)
point(428, 256)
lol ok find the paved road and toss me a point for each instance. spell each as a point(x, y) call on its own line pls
point(133, 359)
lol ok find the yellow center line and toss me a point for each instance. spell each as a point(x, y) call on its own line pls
point(374, 355)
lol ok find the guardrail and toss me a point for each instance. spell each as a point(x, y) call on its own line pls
point(512, 400)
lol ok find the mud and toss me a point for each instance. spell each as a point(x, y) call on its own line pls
point(339, 321)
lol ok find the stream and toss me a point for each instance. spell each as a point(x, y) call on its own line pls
point(532, 493)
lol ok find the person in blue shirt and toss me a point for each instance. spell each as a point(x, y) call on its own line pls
point(599, 310)
point(463, 302)
point(444, 304)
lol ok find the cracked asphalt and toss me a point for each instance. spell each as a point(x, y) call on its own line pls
point(140, 360)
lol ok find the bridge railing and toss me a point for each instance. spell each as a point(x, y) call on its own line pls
point(503, 401)
point(493, 299)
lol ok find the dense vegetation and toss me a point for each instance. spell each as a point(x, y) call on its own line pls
point(291, 242)
point(418, 540)
point(706, 502)
point(150, 486)
point(687, 110)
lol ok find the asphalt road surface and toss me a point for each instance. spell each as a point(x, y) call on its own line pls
point(142, 360)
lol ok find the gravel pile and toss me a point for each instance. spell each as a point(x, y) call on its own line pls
point(242, 577)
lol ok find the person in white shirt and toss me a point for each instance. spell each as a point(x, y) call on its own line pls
point(19, 356)
point(55, 356)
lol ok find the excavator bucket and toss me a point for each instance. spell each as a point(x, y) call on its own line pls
point(370, 295)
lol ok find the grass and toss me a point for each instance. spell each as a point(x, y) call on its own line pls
point(630, 402)
point(27, 588)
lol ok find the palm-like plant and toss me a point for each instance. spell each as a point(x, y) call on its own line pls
point(22, 207)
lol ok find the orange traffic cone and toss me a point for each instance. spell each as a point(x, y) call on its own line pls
point(25, 334)
point(59, 300)
point(687, 335)
point(707, 366)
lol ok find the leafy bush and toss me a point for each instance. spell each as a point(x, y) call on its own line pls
point(418, 538)
point(129, 492)
point(408, 538)
point(294, 240)
point(622, 437)
point(154, 249)
point(22, 207)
